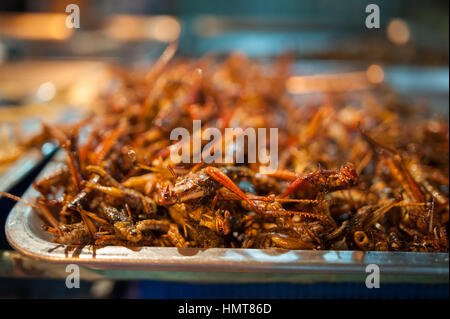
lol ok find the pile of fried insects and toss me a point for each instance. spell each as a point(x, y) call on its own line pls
point(357, 169)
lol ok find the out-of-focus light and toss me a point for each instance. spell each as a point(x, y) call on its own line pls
point(47, 148)
point(35, 26)
point(375, 74)
point(166, 29)
point(134, 28)
point(398, 31)
point(327, 83)
point(46, 92)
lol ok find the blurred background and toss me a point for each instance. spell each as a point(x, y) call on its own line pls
point(410, 31)
point(50, 71)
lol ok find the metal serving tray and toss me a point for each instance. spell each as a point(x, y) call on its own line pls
point(28, 161)
point(24, 233)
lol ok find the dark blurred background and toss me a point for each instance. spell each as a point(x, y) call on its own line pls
point(323, 29)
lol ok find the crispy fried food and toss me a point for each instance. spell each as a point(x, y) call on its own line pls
point(357, 170)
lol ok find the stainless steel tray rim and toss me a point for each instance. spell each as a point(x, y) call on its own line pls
point(222, 259)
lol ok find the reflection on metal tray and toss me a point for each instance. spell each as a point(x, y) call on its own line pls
point(32, 157)
point(24, 232)
point(23, 166)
